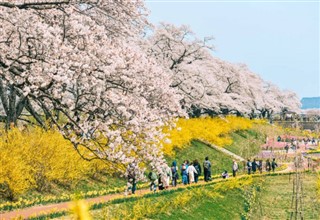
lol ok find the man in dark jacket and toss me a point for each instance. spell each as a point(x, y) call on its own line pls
point(197, 166)
point(274, 164)
point(207, 169)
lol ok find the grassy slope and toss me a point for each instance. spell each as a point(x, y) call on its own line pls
point(198, 150)
point(276, 195)
point(101, 182)
point(273, 201)
point(228, 207)
point(246, 143)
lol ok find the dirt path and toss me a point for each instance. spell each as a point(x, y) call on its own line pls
point(64, 206)
point(57, 207)
point(223, 150)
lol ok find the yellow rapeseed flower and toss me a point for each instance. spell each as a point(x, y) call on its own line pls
point(81, 210)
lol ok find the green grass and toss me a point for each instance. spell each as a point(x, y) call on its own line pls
point(272, 201)
point(246, 143)
point(229, 206)
point(199, 151)
point(222, 200)
point(102, 181)
point(276, 196)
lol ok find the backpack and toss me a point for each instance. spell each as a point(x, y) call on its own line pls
point(152, 176)
point(206, 164)
point(197, 168)
point(173, 170)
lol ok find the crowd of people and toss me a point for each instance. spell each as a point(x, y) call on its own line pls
point(257, 165)
point(163, 176)
point(160, 177)
point(188, 171)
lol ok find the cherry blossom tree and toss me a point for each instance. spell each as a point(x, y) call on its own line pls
point(83, 66)
point(208, 84)
point(271, 103)
point(76, 63)
point(179, 51)
point(289, 102)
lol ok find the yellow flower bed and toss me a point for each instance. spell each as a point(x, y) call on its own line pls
point(214, 130)
point(35, 158)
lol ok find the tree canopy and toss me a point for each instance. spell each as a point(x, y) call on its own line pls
point(86, 68)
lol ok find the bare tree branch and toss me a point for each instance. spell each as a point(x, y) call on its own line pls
point(35, 4)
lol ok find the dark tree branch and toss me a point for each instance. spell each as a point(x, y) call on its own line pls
point(31, 110)
point(34, 4)
point(4, 97)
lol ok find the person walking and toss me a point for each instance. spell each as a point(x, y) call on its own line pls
point(254, 166)
point(186, 162)
point(169, 175)
point(274, 164)
point(174, 171)
point(184, 174)
point(260, 166)
point(165, 175)
point(207, 169)
point(191, 172)
point(249, 166)
point(235, 168)
point(131, 174)
point(268, 165)
point(197, 166)
point(153, 178)
point(286, 148)
point(160, 181)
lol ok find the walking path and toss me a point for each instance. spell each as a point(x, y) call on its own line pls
point(223, 150)
point(65, 206)
point(59, 207)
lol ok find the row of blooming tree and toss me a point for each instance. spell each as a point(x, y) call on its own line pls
point(212, 86)
point(89, 68)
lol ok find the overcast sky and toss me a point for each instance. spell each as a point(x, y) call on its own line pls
point(278, 40)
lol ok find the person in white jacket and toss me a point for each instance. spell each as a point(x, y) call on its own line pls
point(191, 171)
point(235, 168)
point(169, 175)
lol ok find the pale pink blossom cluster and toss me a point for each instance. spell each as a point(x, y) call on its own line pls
point(210, 85)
